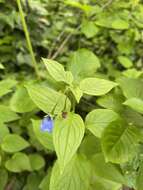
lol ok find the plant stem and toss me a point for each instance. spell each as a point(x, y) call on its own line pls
point(64, 43)
point(10, 184)
point(27, 37)
point(127, 188)
point(107, 4)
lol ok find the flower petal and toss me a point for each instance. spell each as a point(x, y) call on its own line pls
point(47, 124)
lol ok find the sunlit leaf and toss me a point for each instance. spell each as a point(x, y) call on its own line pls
point(14, 143)
point(75, 176)
point(56, 70)
point(47, 99)
point(67, 136)
point(98, 119)
point(83, 63)
point(96, 86)
point(135, 103)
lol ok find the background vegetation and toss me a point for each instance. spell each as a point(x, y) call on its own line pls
point(91, 38)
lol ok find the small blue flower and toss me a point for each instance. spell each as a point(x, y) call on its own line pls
point(47, 124)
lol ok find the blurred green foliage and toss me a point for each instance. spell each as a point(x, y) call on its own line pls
point(100, 39)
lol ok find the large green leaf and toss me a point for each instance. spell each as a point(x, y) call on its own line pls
point(135, 103)
point(47, 99)
point(56, 70)
point(67, 136)
point(14, 143)
point(21, 102)
point(7, 115)
point(44, 138)
point(119, 141)
point(6, 85)
point(98, 119)
point(96, 86)
point(18, 163)
point(131, 87)
point(83, 63)
point(107, 170)
point(76, 175)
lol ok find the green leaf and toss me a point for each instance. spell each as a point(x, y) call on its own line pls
point(89, 29)
point(56, 70)
point(77, 93)
point(120, 24)
point(76, 175)
point(90, 145)
point(111, 101)
point(6, 85)
point(84, 7)
point(119, 141)
point(99, 183)
point(37, 162)
point(125, 62)
point(98, 119)
point(21, 102)
point(83, 63)
point(44, 138)
point(7, 114)
point(135, 103)
point(18, 163)
point(48, 100)
point(132, 116)
point(14, 143)
point(106, 170)
point(67, 136)
point(96, 86)
point(33, 181)
point(139, 180)
point(113, 20)
point(131, 87)
point(45, 183)
point(3, 131)
point(132, 73)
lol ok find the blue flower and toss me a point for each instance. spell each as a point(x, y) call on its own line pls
point(47, 124)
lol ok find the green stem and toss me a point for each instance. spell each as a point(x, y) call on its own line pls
point(27, 37)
